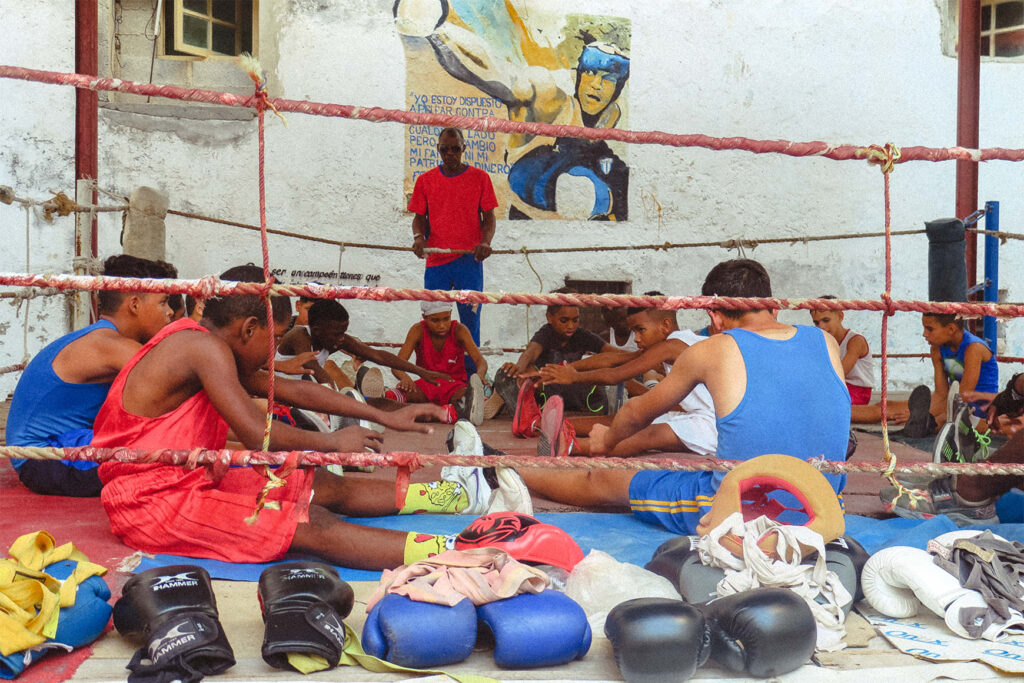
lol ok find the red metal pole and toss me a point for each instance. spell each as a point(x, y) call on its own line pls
point(87, 102)
point(968, 91)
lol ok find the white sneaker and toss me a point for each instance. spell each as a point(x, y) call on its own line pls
point(490, 489)
point(471, 405)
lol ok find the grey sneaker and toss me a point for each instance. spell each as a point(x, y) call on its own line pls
point(490, 489)
point(471, 405)
point(938, 498)
point(945, 448)
point(971, 445)
point(953, 401)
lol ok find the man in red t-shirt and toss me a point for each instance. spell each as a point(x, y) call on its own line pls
point(454, 206)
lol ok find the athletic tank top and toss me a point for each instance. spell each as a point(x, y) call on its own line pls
point(193, 424)
point(449, 360)
point(794, 404)
point(698, 400)
point(862, 374)
point(628, 345)
point(953, 362)
point(44, 406)
point(321, 356)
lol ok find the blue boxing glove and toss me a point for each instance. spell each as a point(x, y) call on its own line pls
point(78, 624)
point(536, 629)
point(419, 635)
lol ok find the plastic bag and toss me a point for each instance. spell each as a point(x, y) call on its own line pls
point(600, 582)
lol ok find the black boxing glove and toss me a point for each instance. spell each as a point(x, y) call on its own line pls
point(1008, 402)
point(303, 604)
point(762, 632)
point(657, 640)
point(846, 557)
point(678, 561)
point(173, 608)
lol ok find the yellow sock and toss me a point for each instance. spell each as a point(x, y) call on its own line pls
point(421, 546)
point(436, 496)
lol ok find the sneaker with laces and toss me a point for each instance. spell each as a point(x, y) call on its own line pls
point(920, 423)
point(971, 445)
point(953, 401)
point(945, 449)
point(557, 436)
point(490, 489)
point(370, 382)
point(342, 421)
point(938, 498)
point(471, 405)
point(527, 415)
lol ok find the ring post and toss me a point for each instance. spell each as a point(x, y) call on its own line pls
point(991, 325)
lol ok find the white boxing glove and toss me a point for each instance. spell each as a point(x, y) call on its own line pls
point(896, 580)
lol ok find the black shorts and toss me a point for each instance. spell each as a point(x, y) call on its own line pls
point(54, 478)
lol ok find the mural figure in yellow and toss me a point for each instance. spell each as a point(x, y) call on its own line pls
point(486, 44)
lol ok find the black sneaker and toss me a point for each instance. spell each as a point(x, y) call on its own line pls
point(971, 444)
point(920, 423)
point(506, 387)
point(945, 449)
point(851, 445)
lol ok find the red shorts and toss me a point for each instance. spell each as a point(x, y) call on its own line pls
point(172, 510)
point(441, 393)
point(859, 396)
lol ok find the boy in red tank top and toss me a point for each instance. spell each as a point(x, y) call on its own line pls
point(184, 389)
point(441, 345)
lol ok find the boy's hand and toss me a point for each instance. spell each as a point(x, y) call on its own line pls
point(559, 374)
point(356, 440)
point(483, 379)
point(435, 378)
point(1004, 403)
point(293, 366)
point(597, 440)
point(407, 385)
point(405, 419)
point(510, 369)
point(481, 251)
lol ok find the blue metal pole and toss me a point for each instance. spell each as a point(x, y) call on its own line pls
point(991, 270)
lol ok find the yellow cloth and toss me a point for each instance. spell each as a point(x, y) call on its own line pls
point(421, 546)
point(31, 599)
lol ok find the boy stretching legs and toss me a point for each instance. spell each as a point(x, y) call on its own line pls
point(759, 372)
point(63, 387)
point(687, 427)
point(186, 387)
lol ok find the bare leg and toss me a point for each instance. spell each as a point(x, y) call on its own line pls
point(583, 425)
point(897, 414)
point(348, 544)
point(583, 488)
point(659, 437)
point(978, 488)
point(339, 378)
point(354, 495)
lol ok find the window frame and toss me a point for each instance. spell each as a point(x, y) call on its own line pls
point(951, 31)
point(991, 31)
point(176, 10)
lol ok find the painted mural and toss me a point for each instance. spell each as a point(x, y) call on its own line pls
point(521, 62)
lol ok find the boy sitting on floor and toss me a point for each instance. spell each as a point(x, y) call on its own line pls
point(63, 387)
point(688, 427)
point(776, 389)
point(562, 340)
point(442, 345)
point(188, 385)
point(959, 356)
point(328, 333)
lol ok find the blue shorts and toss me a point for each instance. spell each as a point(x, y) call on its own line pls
point(674, 500)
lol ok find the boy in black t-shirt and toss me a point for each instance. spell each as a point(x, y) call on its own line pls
point(561, 340)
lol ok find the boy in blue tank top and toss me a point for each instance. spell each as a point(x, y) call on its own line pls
point(776, 389)
point(60, 391)
point(959, 356)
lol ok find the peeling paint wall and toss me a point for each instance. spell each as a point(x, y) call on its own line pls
point(802, 70)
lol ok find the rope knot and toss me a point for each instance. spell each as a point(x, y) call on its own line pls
point(886, 157)
point(887, 304)
point(258, 74)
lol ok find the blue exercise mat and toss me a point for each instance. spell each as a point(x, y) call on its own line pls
point(620, 535)
point(627, 539)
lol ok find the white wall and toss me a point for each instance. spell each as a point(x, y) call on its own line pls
point(845, 72)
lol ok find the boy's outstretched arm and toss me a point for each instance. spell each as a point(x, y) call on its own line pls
point(211, 362)
point(465, 340)
point(312, 396)
point(526, 360)
point(605, 359)
point(388, 359)
point(649, 359)
point(640, 411)
point(299, 343)
point(405, 353)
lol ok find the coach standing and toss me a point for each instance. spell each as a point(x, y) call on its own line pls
point(454, 206)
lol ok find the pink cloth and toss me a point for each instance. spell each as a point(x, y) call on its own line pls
point(482, 574)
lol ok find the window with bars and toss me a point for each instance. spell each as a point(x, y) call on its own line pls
point(204, 29)
point(590, 317)
point(1002, 28)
